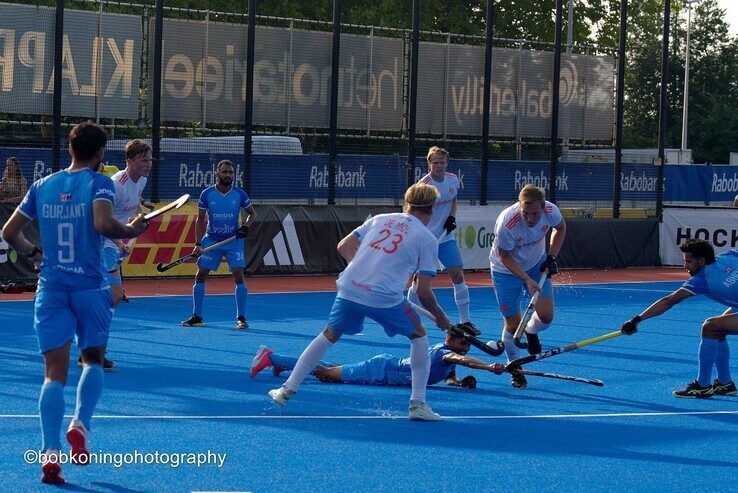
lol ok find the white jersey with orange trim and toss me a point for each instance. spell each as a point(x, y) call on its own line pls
point(127, 198)
point(527, 244)
point(449, 189)
point(391, 248)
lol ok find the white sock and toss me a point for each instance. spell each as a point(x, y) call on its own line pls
point(412, 295)
point(419, 367)
point(307, 362)
point(512, 351)
point(461, 296)
point(535, 325)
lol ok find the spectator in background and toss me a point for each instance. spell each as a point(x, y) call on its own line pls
point(13, 186)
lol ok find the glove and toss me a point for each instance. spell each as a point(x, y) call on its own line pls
point(469, 329)
point(468, 382)
point(242, 232)
point(450, 224)
point(550, 264)
point(631, 326)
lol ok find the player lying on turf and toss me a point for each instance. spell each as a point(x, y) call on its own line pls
point(386, 369)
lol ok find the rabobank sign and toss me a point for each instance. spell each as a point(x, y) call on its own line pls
point(344, 179)
point(540, 180)
point(199, 177)
point(637, 182)
point(725, 182)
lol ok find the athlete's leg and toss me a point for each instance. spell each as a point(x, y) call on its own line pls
point(51, 398)
point(198, 291)
point(310, 357)
point(714, 347)
point(240, 292)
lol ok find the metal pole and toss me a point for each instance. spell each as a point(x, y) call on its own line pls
point(485, 103)
point(685, 114)
point(662, 112)
point(620, 91)
point(554, 152)
point(248, 114)
point(570, 27)
point(156, 102)
point(332, 140)
point(413, 102)
point(56, 103)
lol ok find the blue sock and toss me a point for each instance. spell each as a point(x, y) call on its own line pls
point(286, 362)
point(89, 389)
point(707, 354)
point(722, 362)
point(241, 292)
point(198, 296)
point(51, 408)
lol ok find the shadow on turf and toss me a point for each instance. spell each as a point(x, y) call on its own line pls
point(115, 488)
point(535, 437)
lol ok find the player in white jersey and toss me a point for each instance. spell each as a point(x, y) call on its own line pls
point(383, 253)
point(129, 184)
point(441, 224)
point(517, 258)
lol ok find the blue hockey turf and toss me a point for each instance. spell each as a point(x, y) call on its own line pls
point(187, 391)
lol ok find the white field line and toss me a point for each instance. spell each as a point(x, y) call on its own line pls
point(389, 417)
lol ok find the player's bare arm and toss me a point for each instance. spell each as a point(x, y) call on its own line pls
point(666, 303)
point(251, 216)
point(512, 265)
point(200, 225)
point(472, 362)
point(13, 234)
point(348, 246)
point(557, 238)
point(107, 225)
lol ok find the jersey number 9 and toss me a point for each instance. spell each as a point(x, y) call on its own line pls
point(65, 237)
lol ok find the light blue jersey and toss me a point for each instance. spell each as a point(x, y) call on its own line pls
point(62, 204)
point(718, 281)
point(223, 210)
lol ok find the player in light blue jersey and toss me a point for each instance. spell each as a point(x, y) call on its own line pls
point(716, 278)
point(386, 369)
point(222, 204)
point(74, 210)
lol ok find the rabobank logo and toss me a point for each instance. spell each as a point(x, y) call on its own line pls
point(7, 254)
point(568, 84)
point(470, 237)
point(344, 179)
point(725, 183)
point(286, 248)
point(194, 176)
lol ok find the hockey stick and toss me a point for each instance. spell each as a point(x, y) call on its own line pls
point(596, 383)
point(165, 267)
point(464, 335)
point(509, 368)
point(516, 364)
point(529, 311)
point(170, 206)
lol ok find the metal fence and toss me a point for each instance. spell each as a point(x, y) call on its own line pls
point(108, 68)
